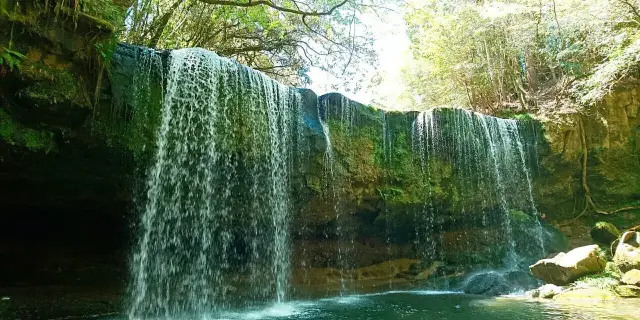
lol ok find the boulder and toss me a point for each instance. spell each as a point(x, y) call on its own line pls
point(5, 303)
point(631, 277)
point(490, 283)
point(596, 294)
point(605, 233)
point(628, 291)
point(548, 291)
point(425, 274)
point(521, 280)
point(627, 251)
point(535, 293)
point(567, 267)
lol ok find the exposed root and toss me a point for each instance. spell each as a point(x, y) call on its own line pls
point(636, 228)
point(589, 204)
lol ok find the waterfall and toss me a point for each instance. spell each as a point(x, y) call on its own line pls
point(214, 232)
point(344, 117)
point(487, 158)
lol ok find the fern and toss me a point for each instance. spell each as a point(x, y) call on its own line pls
point(10, 58)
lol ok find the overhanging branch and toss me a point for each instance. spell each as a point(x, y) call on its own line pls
point(273, 5)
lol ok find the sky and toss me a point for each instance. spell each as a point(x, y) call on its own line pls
point(392, 46)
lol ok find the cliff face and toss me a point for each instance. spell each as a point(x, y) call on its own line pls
point(53, 109)
point(611, 132)
point(66, 188)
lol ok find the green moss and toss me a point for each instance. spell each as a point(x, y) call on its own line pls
point(605, 233)
point(512, 114)
point(405, 181)
point(16, 134)
point(54, 83)
point(520, 217)
point(604, 280)
point(358, 159)
point(101, 14)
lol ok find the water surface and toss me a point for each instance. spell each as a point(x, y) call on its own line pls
point(414, 305)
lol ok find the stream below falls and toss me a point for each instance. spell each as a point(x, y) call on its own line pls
point(428, 305)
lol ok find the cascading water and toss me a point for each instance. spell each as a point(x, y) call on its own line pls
point(219, 197)
point(344, 115)
point(214, 231)
point(486, 155)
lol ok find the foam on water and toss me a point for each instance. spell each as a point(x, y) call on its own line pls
point(278, 310)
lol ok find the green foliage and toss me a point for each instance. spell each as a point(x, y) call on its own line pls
point(105, 50)
point(621, 60)
point(16, 134)
point(520, 217)
point(54, 84)
point(520, 54)
point(106, 10)
point(283, 44)
point(12, 59)
point(604, 280)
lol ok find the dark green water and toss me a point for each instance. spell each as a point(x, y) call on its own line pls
point(434, 305)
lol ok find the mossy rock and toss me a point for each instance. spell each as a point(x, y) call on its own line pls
point(613, 270)
point(631, 277)
point(520, 217)
point(605, 233)
point(5, 303)
point(628, 291)
point(16, 134)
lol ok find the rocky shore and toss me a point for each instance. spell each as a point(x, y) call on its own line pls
point(608, 270)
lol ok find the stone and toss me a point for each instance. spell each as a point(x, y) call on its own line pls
point(521, 280)
point(605, 233)
point(5, 303)
point(548, 291)
point(567, 267)
point(631, 277)
point(424, 275)
point(627, 251)
point(535, 293)
point(490, 284)
point(628, 291)
point(592, 294)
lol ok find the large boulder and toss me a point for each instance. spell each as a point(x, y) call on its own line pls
point(567, 267)
point(631, 277)
point(605, 233)
point(627, 251)
point(490, 284)
point(521, 280)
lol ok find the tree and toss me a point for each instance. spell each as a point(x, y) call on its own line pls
point(282, 38)
point(520, 54)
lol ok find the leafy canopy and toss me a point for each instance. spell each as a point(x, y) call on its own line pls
point(282, 38)
point(520, 54)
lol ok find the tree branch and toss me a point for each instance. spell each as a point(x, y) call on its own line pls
point(275, 6)
point(632, 7)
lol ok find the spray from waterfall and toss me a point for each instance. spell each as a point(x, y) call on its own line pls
point(486, 157)
point(342, 114)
